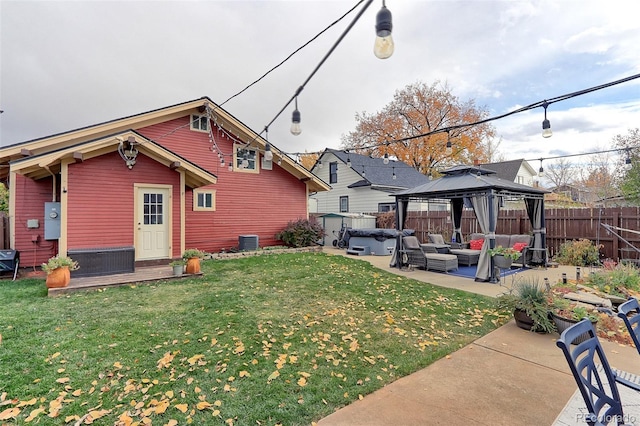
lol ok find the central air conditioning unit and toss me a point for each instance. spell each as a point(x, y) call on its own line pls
point(248, 242)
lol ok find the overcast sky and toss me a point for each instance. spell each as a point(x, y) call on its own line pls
point(71, 64)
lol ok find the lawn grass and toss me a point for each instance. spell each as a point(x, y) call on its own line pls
point(275, 339)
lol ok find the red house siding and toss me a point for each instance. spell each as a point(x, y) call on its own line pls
point(30, 198)
point(246, 203)
point(101, 200)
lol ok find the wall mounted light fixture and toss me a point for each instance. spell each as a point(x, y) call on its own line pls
point(128, 151)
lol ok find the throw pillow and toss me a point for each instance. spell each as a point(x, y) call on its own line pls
point(519, 246)
point(476, 244)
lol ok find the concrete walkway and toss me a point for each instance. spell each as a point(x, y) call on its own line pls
point(508, 377)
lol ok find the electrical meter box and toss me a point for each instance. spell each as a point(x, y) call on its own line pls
point(51, 221)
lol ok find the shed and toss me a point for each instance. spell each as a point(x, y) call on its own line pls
point(333, 222)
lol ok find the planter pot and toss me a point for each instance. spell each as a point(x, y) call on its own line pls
point(523, 320)
point(59, 277)
point(563, 323)
point(193, 266)
point(502, 262)
point(178, 270)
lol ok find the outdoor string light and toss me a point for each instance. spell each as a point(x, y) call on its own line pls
point(383, 47)
point(385, 160)
point(449, 148)
point(295, 121)
point(541, 170)
point(393, 171)
point(546, 125)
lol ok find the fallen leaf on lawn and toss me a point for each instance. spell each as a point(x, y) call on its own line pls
point(165, 361)
point(125, 419)
point(194, 359)
point(244, 373)
point(273, 376)
point(77, 392)
point(63, 380)
point(35, 413)
point(32, 401)
point(169, 394)
point(172, 422)
point(302, 382)
point(182, 407)
point(9, 413)
point(216, 412)
point(202, 405)
point(117, 365)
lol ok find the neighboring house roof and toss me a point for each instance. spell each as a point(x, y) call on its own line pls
point(64, 141)
point(376, 174)
point(508, 170)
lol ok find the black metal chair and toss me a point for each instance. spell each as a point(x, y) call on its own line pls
point(596, 379)
point(629, 311)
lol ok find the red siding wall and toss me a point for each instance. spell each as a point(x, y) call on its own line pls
point(30, 198)
point(101, 200)
point(246, 203)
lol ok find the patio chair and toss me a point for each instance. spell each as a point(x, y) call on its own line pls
point(412, 253)
point(629, 311)
point(593, 374)
point(435, 261)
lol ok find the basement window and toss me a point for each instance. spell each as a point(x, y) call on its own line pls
point(204, 200)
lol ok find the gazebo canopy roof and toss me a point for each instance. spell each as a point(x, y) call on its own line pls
point(467, 181)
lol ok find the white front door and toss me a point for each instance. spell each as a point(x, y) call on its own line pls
point(153, 222)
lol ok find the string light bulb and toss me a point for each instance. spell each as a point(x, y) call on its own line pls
point(541, 170)
point(627, 161)
point(393, 171)
point(546, 125)
point(449, 149)
point(348, 160)
point(268, 155)
point(363, 173)
point(383, 46)
point(295, 121)
point(385, 160)
point(245, 160)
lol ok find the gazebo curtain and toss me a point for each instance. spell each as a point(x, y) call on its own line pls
point(401, 218)
point(486, 210)
point(535, 210)
point(456, 217)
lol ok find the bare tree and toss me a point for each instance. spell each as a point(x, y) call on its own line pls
point(560, 173)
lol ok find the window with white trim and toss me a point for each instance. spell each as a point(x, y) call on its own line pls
point(344, 204)
point(199, 123)
point(204, 200)
point(245, 160)
point(386, 207)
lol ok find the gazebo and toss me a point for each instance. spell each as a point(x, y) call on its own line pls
point(483, 191)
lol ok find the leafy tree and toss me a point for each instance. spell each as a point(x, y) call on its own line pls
point(629, 177)
point(598, 179)
point(418, 109)
point(4, 198)
point(308, 160)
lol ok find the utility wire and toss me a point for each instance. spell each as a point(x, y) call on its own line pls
point(293, 53)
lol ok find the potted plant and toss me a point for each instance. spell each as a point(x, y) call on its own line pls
point(530, 305)
point(178, 267)
point(503, 257)
point(566, 313)
point(192, 258)
point(58, 270)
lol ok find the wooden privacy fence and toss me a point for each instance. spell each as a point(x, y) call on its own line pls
point(562, 225)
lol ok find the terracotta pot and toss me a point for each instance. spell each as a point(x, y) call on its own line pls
point(193, 266)
point(59, 277)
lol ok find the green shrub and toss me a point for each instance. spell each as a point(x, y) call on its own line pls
point(301, 233)
point(580, 252)
point(616, 281)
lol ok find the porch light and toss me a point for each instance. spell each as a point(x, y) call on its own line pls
point(383, 47)
point(128, 151)
point(546, 125)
